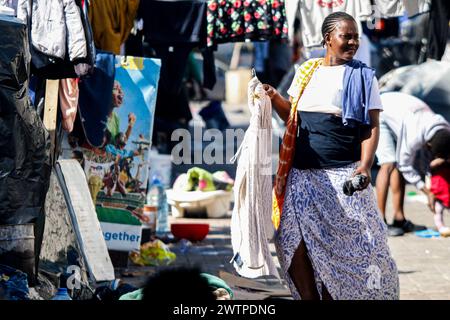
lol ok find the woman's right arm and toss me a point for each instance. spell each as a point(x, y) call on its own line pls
point(282, 106)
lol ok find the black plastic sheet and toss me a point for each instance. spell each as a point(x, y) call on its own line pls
point(24, 143)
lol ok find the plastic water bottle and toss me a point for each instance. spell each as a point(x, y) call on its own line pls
point(157, 196)
point(151, 207)
point(62, 294)
point(184, 245)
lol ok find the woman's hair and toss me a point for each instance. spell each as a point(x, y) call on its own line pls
point(330, 22)
point(440, 144)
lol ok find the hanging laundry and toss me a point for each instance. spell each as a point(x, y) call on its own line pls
point(416, 7)
point(89, 62)
point(172, 112)
point(96, 100)
point(172, 106)
point(173, 22)
point(174, 61)
point(63, 30)
point(292, 7)
point(397, 8)
point(313, 13)
point(69, 51)
point(112, 21)
point(388, 8)
point(68, 102)
point(209, 68)
point(173, 29)
point(134, 45)
point(236, 20)
point(251, 227)
point(438, 28)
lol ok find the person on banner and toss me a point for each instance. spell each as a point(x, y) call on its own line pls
point(113, 124)
point(113, 180)
point(411, 136)
point(331, 244)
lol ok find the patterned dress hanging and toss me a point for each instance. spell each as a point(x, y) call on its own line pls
point(236, 20)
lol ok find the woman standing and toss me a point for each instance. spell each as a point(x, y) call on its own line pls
point(330, 245)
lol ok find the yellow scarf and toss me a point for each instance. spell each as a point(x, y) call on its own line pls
point(287, 150)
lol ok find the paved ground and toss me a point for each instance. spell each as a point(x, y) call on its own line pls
point(424, 264)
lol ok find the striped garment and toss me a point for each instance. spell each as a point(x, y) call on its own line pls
point(287, 149)
point(251, 228)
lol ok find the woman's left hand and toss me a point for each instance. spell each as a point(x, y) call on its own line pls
point(365, 172)
point(271, 91)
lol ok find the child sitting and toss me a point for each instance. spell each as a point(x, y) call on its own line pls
point(440, 187)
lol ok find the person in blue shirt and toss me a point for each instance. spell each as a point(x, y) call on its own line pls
point(118, 149)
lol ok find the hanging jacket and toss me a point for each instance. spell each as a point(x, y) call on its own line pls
point(438, 29)
point(68, 102)
point(90, 45)
point(251, 227)
point(96, 91)
point(112, 21)
point(56, 25)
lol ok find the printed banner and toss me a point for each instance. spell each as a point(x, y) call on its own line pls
point(117, 171)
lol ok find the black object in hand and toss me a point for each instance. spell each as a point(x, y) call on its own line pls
point(357, 183)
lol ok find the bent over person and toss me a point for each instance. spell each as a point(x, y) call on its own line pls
point(411, 136)
point(332, 245)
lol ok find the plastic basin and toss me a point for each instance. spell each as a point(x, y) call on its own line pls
point(190, 231)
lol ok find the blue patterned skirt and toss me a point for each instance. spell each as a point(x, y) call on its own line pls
point(346, 237)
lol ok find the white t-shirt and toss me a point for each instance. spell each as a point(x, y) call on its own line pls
point(324, 92)
point(314, 12)
point(389, 8)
